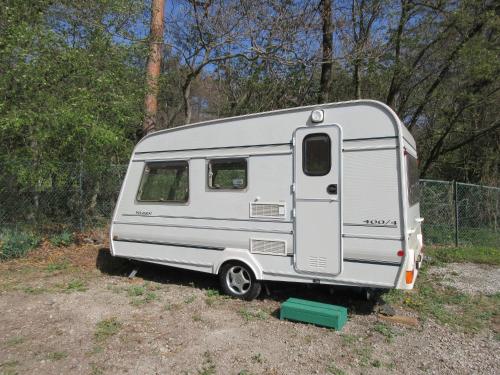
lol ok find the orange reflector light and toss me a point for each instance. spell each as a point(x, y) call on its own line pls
point(409, 277)
point(401, 253)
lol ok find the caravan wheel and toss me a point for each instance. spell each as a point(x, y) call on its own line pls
point(237, 280)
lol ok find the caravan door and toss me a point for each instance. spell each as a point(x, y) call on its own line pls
point(318, 200)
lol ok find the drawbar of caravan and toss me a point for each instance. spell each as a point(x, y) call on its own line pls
point(321, 194)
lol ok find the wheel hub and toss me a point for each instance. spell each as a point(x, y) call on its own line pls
point(238, 280)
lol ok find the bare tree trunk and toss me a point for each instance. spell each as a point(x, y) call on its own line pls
point(154, 65)
point(357, 80)
point(327, 46)
point(187, 104)
point(395, 80)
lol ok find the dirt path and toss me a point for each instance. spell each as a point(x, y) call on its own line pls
point(61, 315)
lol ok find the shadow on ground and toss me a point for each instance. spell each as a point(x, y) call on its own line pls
point(352, 298)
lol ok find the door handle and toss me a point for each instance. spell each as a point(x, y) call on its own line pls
point(331, 189)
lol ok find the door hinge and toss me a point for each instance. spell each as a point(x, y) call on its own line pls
point(293, 188)
point(293, 141)
point(293, 212)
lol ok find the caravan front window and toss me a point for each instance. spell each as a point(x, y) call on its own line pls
point(164, 182)
point(412, 179)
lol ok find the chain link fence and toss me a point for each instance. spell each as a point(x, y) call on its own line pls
point(61, 197)
point(460, 214)
point(73, 197)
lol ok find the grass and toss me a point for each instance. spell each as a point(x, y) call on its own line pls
point(34, 290)
point(107, 328)
point(189, 299)
point(136, 290)
point(365, 355)
point(332, 369)
point(197, 317)
point(146, 298)
point(349, 339)
point(8, 368)
point(208, 367)
point(385, 331)
point(64, 238)
point(484, 255)
point(469, 313)
point(213, 296)
point(212, 293)
point(96, 369)
point(17, 243)
point(56, 356)
point(13, 341)
point(59, 266)
point(445, 234)
point(75, 286)
point(257, 358)
point(249, 315)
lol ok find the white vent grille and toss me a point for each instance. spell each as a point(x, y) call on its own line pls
point(267, 209)
point(317, 262)
point(274, 247)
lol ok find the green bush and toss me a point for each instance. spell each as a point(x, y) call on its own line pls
point(16, 244)
point(62, 239)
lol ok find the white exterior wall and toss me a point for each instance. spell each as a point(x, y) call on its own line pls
point(371, 186)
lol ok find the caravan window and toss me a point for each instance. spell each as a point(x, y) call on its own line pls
point(412, 179)
point(227, 174)
point(316, 154)
point(164, 182)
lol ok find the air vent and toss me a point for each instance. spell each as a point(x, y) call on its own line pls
point(267, 209)
point(317, 262)
point(273, 247)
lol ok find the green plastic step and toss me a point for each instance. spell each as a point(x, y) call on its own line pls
point(321, 314)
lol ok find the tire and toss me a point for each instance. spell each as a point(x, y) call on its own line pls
point(238, 280)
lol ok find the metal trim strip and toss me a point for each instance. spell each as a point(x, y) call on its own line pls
point(212, 218)
point(205, 227)
point(176, 244)
point(367, 261)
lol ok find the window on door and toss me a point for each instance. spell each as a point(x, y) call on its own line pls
point(316, 154)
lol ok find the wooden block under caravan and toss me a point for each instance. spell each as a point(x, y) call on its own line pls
point(321, 314)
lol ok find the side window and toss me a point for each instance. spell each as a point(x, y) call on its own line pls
point(412, 179)
point(316, 154)
point(164, 182)
point(227, 174)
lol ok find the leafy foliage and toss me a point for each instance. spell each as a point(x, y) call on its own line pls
point(64, 238)
point(69, 92)
point(17, 243)
point(72, 76)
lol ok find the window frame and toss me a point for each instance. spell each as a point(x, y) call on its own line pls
point(226, 160)
point(164, 162)
point(304, 170)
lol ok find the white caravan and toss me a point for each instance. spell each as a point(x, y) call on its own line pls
point(321, 194)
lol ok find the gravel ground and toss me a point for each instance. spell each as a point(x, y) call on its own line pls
point(470, 278)
point(59, 319)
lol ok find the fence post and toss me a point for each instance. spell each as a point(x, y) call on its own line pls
point(455, 201)
point(80, 183)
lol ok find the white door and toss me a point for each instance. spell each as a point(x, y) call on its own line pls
point(317, 198)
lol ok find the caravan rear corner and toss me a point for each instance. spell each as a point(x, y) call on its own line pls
point(323, 194)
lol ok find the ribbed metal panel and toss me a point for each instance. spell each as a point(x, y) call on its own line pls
point(274, 247)
point(268, 209)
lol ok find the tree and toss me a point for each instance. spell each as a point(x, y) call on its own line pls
point(327, 51)
point(154, 65)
